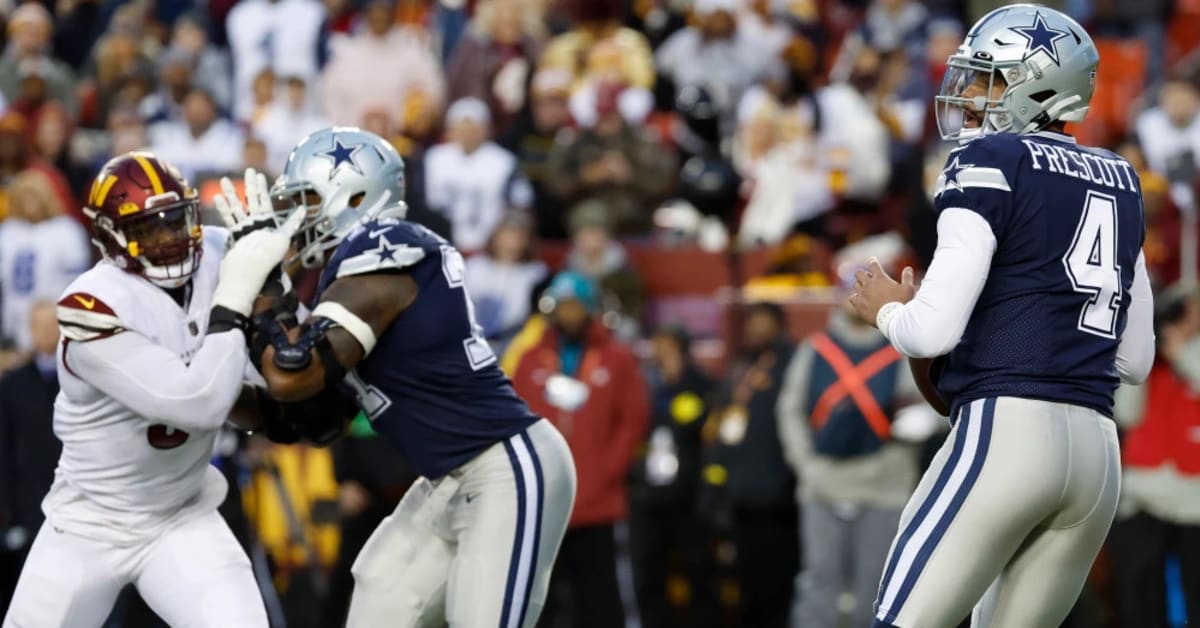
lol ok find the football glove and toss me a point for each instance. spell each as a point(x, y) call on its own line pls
point(246, 267)
point(256, 214)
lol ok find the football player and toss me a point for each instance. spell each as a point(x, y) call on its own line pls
point(1035, 306)
point(472, 543)
point(152, 358)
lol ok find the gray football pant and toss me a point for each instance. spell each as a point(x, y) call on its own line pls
point(1007, 520)
point(844, 550)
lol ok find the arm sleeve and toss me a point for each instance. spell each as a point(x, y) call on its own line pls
point(934, 321)
point(1135, 354)
point(156, 384)
point(792, 420)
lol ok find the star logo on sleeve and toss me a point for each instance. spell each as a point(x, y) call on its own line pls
point(386, 250)
point(949, 178)
point(342, 155)
point(1041, 37)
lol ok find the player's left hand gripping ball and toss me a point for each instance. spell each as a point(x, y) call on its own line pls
point(257, 213)
point(873, 289)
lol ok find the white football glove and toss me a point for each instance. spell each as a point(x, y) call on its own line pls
point(257, 213)
point(250, 261)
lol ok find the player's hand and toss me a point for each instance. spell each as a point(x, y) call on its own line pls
point(873, 289)
point(250, 261)
point(257, 213)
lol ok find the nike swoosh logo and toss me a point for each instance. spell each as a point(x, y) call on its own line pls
point(376, 234)
point(88, 303)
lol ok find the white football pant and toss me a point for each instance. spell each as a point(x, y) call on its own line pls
point(1016, 505)
point(194, 576)
point(475, 548)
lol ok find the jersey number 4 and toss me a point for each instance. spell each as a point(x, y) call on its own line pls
point(1092, 266)
point(479, 352)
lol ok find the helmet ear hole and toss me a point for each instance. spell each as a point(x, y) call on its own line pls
point(1042, 96)
point(357, 199)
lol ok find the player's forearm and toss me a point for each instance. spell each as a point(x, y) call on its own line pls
point(1135, 353)
point(934, 321)
point(157, 384)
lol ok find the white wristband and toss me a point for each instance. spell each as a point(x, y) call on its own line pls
point(349, 321)
point(885, 316)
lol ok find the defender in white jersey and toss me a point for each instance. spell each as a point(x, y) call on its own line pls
point(1035, 307)
point(152, 359)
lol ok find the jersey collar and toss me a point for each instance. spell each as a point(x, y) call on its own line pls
point(1060, 137)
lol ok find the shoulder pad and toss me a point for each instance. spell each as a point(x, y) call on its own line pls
point(979, 164)
point(384, 245)
point(83, 316)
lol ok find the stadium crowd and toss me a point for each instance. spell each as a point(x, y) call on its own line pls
point(662, 203)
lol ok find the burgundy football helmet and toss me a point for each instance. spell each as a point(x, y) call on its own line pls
point(146, 219)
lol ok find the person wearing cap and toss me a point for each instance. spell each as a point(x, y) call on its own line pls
point(720, 53)
point(850, 418)
point(614, 162)
point(471, 179)
point(593, 22)
point(531, 139)
point(1159, 511)
point(596, 254)
point(747, 488)
point(590, 386)
point(30, 28)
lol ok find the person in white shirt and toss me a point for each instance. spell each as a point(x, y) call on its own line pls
point(287, 120)
point(152, 358)
point(284, 35)
point(501, 279)
point(41, 251)
point(1171, 130)
point(201, 143)
point(471, 179)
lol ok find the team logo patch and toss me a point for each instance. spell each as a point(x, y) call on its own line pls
point(1040, 37)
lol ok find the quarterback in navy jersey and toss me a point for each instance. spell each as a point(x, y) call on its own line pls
point(1036, 305)
point(473, 541)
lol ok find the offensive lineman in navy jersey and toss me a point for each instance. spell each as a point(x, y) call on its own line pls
point(473, 542)
point(1035, 307)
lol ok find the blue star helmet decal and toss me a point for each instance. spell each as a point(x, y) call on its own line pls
point(1040, 37)
point(341, 154)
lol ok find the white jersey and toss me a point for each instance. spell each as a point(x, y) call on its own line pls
point(474, 190)
point(37, 260)
point(144, 393)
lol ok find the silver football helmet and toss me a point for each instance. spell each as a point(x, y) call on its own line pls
point(343, 177)
point(1044, 60)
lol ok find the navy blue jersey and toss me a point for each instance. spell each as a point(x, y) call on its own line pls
point(1069, 228)
point(431, 385)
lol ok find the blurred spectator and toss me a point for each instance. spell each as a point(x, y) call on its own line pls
point(1159, 513)
point(1164, 222)
point(672, 559)
point(531, 138)
point(262, 94)
point(613, 162)
point(254, 155)
point(1169, 133)
point(76, 26)
point(590, 386)
point(891, 25)
point(472, 180)
point(17, 155)
point(287, 36)
point(51, 143)
point(286, 121)
point(28, 58)
point(372, 476)
point(493, 61)
point(719, 54)
point(748, 491)
point(595, 254)
point(844, 395)
point(211, 69)
point(502, 277)
point(200, 143)
point(41, 251)
point(598, 42)
point(28, 448)
point(120, 74)
point(384, 65)
point(165, 104)
point(708, 180)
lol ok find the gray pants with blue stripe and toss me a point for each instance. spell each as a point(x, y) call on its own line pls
point(475, 548)
point(1006, 522)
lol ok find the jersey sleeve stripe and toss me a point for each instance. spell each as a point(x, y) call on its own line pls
point(977, 177)
point(393, 258)
point(85, 302)
point(83, 333)
point(78, 324)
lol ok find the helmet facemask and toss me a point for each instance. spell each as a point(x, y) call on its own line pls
point(164, 239)
point(306, 244)
point(972, 99)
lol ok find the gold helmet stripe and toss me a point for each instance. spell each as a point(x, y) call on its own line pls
point(155, 182)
